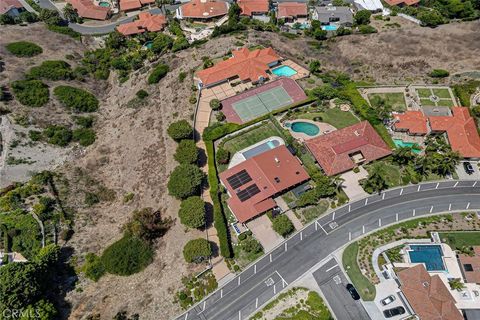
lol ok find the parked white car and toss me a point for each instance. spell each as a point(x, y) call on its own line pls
point(388, 300)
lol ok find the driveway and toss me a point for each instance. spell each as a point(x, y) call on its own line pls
point(332, 282)
point(462, 175)
point(386, 288)
point(352, 188)
point(261, 228)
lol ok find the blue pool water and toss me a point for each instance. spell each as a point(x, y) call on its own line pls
point(305, 127)
point(430, 255)
point(400, 143)
point(261, 148)
point(330, 27)
point(104, 4)
point(284, 71)
point(149, 44)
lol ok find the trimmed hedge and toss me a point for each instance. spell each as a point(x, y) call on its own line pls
point(24, 49)
point(77, 99)
point(220, 221)
point(31, 93)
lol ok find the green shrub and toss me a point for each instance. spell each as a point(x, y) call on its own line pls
point(158, 73)
point(439, 73)
point(362, 17)
point(31, 93)
point(141, 94)
point(181, 76)
point(35, 135)
point(161, 43)
point(197, 250)
point(366, 29)
point(242, 236)
point(91, 199)
point(127, 256)
point(282, 225)
point(64, 30)
point(187, 152)
point(93, 268)
point(185, 181)
point(223, 156)
point(218, 130)
point(84, 136)
point(76, 99)
point(24, 49)
point(192, 212)
point(51, 70)
point(58, 135)
point(215, 104)
point(180, 130)
point(84, 122)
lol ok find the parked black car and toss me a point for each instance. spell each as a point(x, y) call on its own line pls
point(468, 167)
point(393, 312)
point(353, 292)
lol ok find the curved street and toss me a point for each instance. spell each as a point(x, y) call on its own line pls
point(268, 276)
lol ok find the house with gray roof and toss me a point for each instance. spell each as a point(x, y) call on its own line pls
point(341, 16)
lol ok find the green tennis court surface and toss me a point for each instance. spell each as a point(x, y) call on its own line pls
point(262, 103)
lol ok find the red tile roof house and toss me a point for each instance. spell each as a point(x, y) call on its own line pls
point(146, 22)
point(12, 8)
point(203, 10)
point(461, 130)
point(413, 122)
point(402, 3)
point(87, 9)
point(130, 5)
point(342, 150)
point(253, 183)
point(244, 65)
point(292, 11)
point(428, 296)
point(254, 8)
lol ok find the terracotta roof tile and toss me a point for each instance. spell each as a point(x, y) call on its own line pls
point(398, 2)
point(6, 5)
point(127, 5)
point(333, 150)
point(472, 272)
point(145, 22)
point(86, 9)
point(461, 130)
point(291, 9)
point(273, 172)
point(415, 122)
point(249, 7)
point(204, 9)
point(246, 64)
point(428, 296)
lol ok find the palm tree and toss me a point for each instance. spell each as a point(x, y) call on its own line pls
point(422, 166)
point(403, 155)
point(456, 284)
point(70, 13)
point(375, 181)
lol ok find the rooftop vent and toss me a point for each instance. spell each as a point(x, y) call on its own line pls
point(425, 284)
point(277, 179)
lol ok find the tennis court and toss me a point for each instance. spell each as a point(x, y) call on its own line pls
point(259, 101)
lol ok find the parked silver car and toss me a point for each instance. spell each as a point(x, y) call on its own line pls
point(388, 300)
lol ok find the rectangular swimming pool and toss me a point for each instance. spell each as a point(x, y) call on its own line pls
point(284, 71)
point(402, 144)
point(430, 255)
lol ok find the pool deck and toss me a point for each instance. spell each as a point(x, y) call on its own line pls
point(324, 128)
point(238, 157)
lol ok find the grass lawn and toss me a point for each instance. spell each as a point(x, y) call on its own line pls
point(424, 93)
point(289, 197)
point(311, 213)
point(395, 100)
point(336, 117)
point(246, 139)
point(349, 260)
point(442, 93)
point(427, 102)
point(457, 240)
point(391, 173)
point(445, 103)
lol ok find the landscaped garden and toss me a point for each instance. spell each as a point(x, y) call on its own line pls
point(334, 116)
point(395, 100)
point(462, 241)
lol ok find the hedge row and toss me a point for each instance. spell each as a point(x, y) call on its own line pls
point(219, 218)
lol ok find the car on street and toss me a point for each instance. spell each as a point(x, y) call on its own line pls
point(387, 300)
point(394, 312)
point(468, 167)
point(353, 292)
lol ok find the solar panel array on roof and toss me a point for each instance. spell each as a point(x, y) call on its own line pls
point(239, 179)
point(249, 192)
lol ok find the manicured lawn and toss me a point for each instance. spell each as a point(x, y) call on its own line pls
point(427, 102)
point(390, 172)
point(457, 240)
point(336, 117)
point(245, 139)
point(395, 100)
point(445, 103)
point(442, 93)
point(314, 212)
point(289, 197)
point(349, 260)
point(424, 93)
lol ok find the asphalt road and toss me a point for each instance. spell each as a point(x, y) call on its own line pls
point(265, 278)
point(332, 281)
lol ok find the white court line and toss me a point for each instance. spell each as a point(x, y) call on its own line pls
point(331, 268)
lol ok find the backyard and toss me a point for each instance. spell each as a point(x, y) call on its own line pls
point(443, 98)
point(334, 116)
point(461, 241)
point(394, 100)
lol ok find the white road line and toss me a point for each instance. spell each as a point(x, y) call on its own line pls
point(256, 303)
point(363, 229)
point(468, 205)
point(221, 293)
point(322, 228)
point(418, 189)
point(204, 305)
point(274, 289)
point(379, 222)
point(475, 183)
point(239, 314)
point(401, 191)
point(396, 217)
point(349, 208)
point(301, 236)
point(284, 283)
point(186, 316)
point(455, 184)
point(449, 207)
point(238, 280)
point(366, 201)
point(331, 268)
point(254, 269)
point(414, 212)
point(349, 236)
point(270, 257)
point(431, 209)
point(333, 215)
point(286, 247)
point(438, 183)
point(383, 196)
point(316, 225)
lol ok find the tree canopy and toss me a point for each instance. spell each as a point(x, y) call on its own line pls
point(185, 181)
point(192, 212)
point(197, 250)
point(187, 152)
point(180, 130)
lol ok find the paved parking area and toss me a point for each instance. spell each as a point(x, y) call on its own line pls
point(386, 288)
point(261, 228)
point(332, 282)
point(462, 175)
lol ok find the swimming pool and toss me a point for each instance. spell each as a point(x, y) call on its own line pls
point(430, 255)
point(104, 4)
point(401, 144)
point(284, 71)
point(307, 128)
point(261, 148)
point(148, 44)
point(330, 27)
